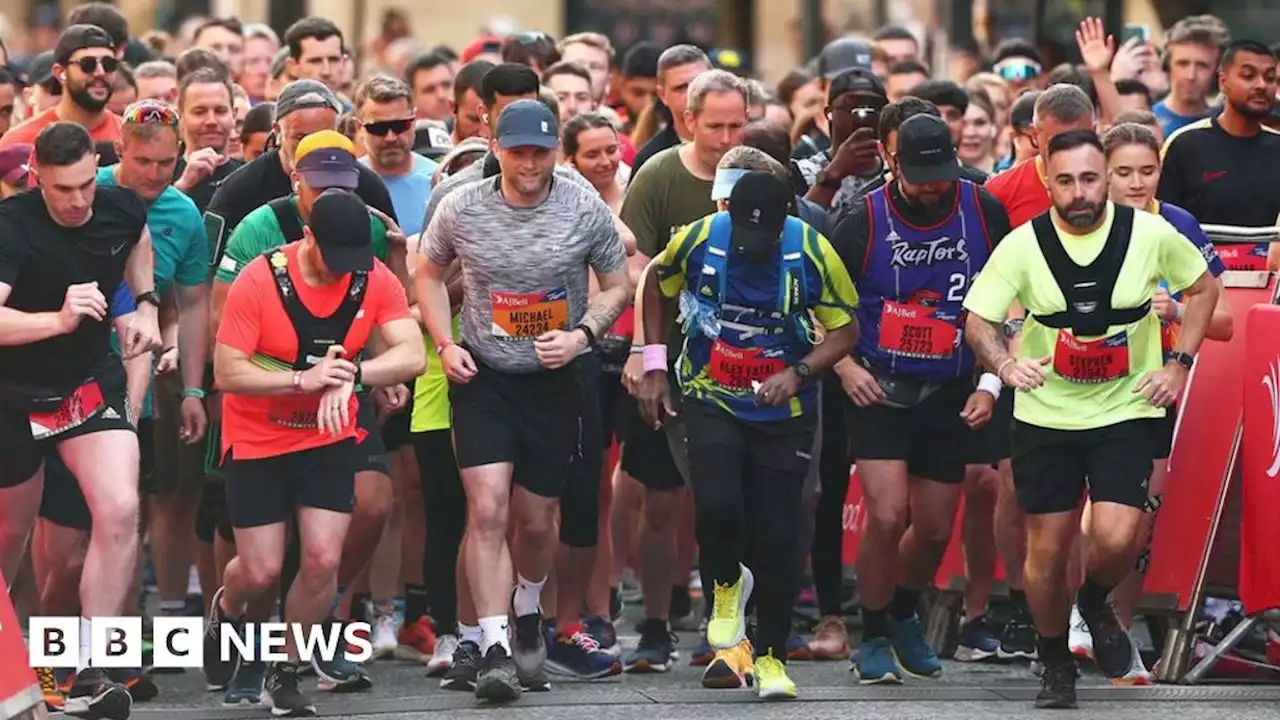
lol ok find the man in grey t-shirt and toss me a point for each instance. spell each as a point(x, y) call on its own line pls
point(526, 241)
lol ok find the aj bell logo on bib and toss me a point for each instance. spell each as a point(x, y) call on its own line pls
point(178, 642)
point(944, 249)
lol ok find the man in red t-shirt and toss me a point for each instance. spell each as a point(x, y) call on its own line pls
point(289, 435)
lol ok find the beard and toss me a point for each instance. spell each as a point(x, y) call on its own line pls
point(531, 187)
point(85, 99)
point(393, 156)
point(1245, 110)
point(1082, 214)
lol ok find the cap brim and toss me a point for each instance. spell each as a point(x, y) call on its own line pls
point(755, 235)
point(515, 141)
point(921, 174)
point(325, 179)
point(342, 259)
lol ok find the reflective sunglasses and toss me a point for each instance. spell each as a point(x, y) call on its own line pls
point(1017, 69)
point(382, 127)
point(150, 112)
point(89, 64)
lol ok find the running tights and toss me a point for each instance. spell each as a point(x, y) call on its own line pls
point(833, 468)
point(446, 506)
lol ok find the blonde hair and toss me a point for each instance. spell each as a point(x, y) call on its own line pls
point(590, 39)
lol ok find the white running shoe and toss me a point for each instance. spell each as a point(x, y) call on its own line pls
point(1079, 641)
point(442, 659)
point(385, 639)
point(1138, 673)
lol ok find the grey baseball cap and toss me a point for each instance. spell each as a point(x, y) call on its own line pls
point(303, 95)
point(527, 122)
point(842, 54)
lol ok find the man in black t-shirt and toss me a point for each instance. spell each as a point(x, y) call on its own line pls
point(207, 121)
point(61, 383)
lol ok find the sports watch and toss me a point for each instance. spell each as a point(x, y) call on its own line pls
point(803, 370)
point(1186, 360)
point(149, 296)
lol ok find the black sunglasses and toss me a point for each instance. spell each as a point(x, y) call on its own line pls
point(382, 127)
point(88, 65)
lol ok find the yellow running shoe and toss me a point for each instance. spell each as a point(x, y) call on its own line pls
point(772, 680)
point(731, 669)
point(728, 625)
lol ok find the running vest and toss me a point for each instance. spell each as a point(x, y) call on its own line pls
point(315, 336)
point(740, 345)
point(287, 219)
point(1089, 311)
point(912, 288)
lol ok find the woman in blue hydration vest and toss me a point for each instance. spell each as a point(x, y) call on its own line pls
point(1133, 169)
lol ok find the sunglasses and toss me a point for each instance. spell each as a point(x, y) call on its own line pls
point(1017, 69)
point(89, 65)
point(150, 113)
point(531, 38)
point(395, 127)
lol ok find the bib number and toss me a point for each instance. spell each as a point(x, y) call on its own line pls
point(1092, 361)
point(300, 413)
point(912, 330)
point(81, 405)
point(737, 368)
point(1243, 257)
point(525, 316)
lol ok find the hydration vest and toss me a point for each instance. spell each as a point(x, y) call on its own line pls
point(287, 218)
point(315, 336)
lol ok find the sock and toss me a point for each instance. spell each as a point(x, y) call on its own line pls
point(904, 604)
point(193, 582)
point(397, 607)
point(172, 608)
point(1054, 650)
point(360, 607)
point(681, 602)
point(337, 600)
point(1092, 598)
point(527, 600)
point(470, 633)
point(415, 603)
point(86, 644)
point(875, 623)
point(494, 630)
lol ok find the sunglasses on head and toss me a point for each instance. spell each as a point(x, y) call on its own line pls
point(89, 64)
point(382, 127)
point(1017, 69)
point(150, 113)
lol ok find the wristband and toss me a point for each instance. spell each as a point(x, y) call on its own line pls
point(655, 358)
point(1003, 365)
point(591, 336)
point(991, 384)
point(444, 345)
point(193, 392)
point(359, 374)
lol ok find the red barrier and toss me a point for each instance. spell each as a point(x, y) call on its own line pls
point(19, 691)
point(1260, 463)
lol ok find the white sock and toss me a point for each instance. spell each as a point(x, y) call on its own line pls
point(470, 633)
point(193, 581)
point(494, 632)
point(528, 599)
point(86, 644)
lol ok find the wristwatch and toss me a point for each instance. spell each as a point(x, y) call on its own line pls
point(826, 181)
point(149, 296)
point(803, 370)
point(1186, 360)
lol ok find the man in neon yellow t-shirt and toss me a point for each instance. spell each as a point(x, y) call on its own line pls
point(1091, 378)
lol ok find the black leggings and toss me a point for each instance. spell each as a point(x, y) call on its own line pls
point(446, 505)
point(747, 483)
point(833, 468)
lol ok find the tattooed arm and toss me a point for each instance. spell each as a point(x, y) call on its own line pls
point(987, 340)
point(614, 297)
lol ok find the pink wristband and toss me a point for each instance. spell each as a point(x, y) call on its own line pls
point(655, 358)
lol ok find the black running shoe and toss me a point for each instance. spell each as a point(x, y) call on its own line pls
point(142, 688)
point(1058, 687)
point(466, 664)
point(498, 681)
point(218, 672)
point(530, 650)
point(1111, 645)
point(1018, 640)
point(282, 695)
point(95, 697)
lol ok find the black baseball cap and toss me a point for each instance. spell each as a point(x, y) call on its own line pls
point(40, 71)
point(1023, 112)
point(758, 209)
point(855, 80)
point(340, 224)
point(79, 37)
point(303, 95)
point(843, 53)
point(925, 152)
point(527, 122)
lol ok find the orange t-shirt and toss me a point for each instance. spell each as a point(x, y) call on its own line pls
point(1022, 192)
point(26, 132)
point(254, 321)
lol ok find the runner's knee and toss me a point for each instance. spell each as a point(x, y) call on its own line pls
point(319, 563)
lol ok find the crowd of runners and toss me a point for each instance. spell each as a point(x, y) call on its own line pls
point(323, 345)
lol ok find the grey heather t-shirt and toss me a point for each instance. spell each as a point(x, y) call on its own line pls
point(524, 269)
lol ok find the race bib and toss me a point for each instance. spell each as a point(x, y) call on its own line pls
point(914, 330)
point(1093, 361)
point(299, 412)
point(737, 368)
point(1244, 257)
point(86, 402)
point(524, 316)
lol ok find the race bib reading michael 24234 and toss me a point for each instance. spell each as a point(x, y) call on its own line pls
point(527, 315)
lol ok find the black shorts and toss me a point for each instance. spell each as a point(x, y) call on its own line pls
point(21, 454)
point(177, 464)
point(265, 491)
point(989, 444)
point(1162, 433)
point(395, 431)
point(373, 453)
point(580, 500)
point(785, 446)
point(1052, 468)
point(613, 401)
point(211, 515)
point(62, 501)
point(930, 437)
point(646, 452)
point(533, 420)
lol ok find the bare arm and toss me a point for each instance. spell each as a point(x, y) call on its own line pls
point(193, 332)
point(1201, 300)
point(217, 300)
point(402, 359)
point(236, 373)
point(987, 340)
point(834, 349)
point(614, 296)
point(137, 371)
point(433, 299)
point(139, 275)
point(656, 311)
point(168, 321)
point(23, 328)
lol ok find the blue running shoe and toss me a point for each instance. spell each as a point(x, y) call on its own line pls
point(340, 675)
point(912, 651)
point(653, 654)
point(246, 686)
point(874, 663)
point(976, 641)
point(606, 636)
point(580, 657)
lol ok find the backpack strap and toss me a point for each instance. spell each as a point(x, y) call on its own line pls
point(287, 218)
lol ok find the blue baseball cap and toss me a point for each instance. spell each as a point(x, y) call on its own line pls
point(526, 123)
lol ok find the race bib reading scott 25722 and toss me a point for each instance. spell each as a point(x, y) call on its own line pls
point(1092, 361)
point(525, 316)
point(915, 330)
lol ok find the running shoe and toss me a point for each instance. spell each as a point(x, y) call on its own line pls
point(1058, 687)
point(340, 675)
point(281, 693)
point(53, 698)
point(604, 633)
point(731, 669)
point(217, 671)
point(246, 687)
point(580, 657)
point(830, 639)
point(95, 697)
point(702, 654)
point(530, 651)
point(139, 684)
point(976, 641)
point(442, 657)
point(798, 649)
point(772, 680)
point(498, 680)
point(1018, 640)
point(728, 625)
point(912, 651)
point(653, 653)
point(464, 667)
point(875, 663)
point(416, 642)
point(65, 677)
point(1138, 673)
point(385, 642)
point(1079, 641)
point(629, 587)
point(1112, 649)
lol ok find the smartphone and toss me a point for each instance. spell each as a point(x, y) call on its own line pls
point(1141, 32)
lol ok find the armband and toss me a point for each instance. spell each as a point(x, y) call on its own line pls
point(991, 384)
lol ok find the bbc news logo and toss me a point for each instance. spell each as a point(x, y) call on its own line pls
point(178, 642)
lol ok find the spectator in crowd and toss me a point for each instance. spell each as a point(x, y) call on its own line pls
point(904, 77)
point(156, 80)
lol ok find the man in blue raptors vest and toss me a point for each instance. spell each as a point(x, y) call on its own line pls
point(913, 248)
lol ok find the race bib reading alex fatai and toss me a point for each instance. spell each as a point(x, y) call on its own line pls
point(737, 368)
point(525, 316)
point(1092, 361)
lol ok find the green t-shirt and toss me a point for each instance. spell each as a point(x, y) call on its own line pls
point(260, 232)
point(1018, 271)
